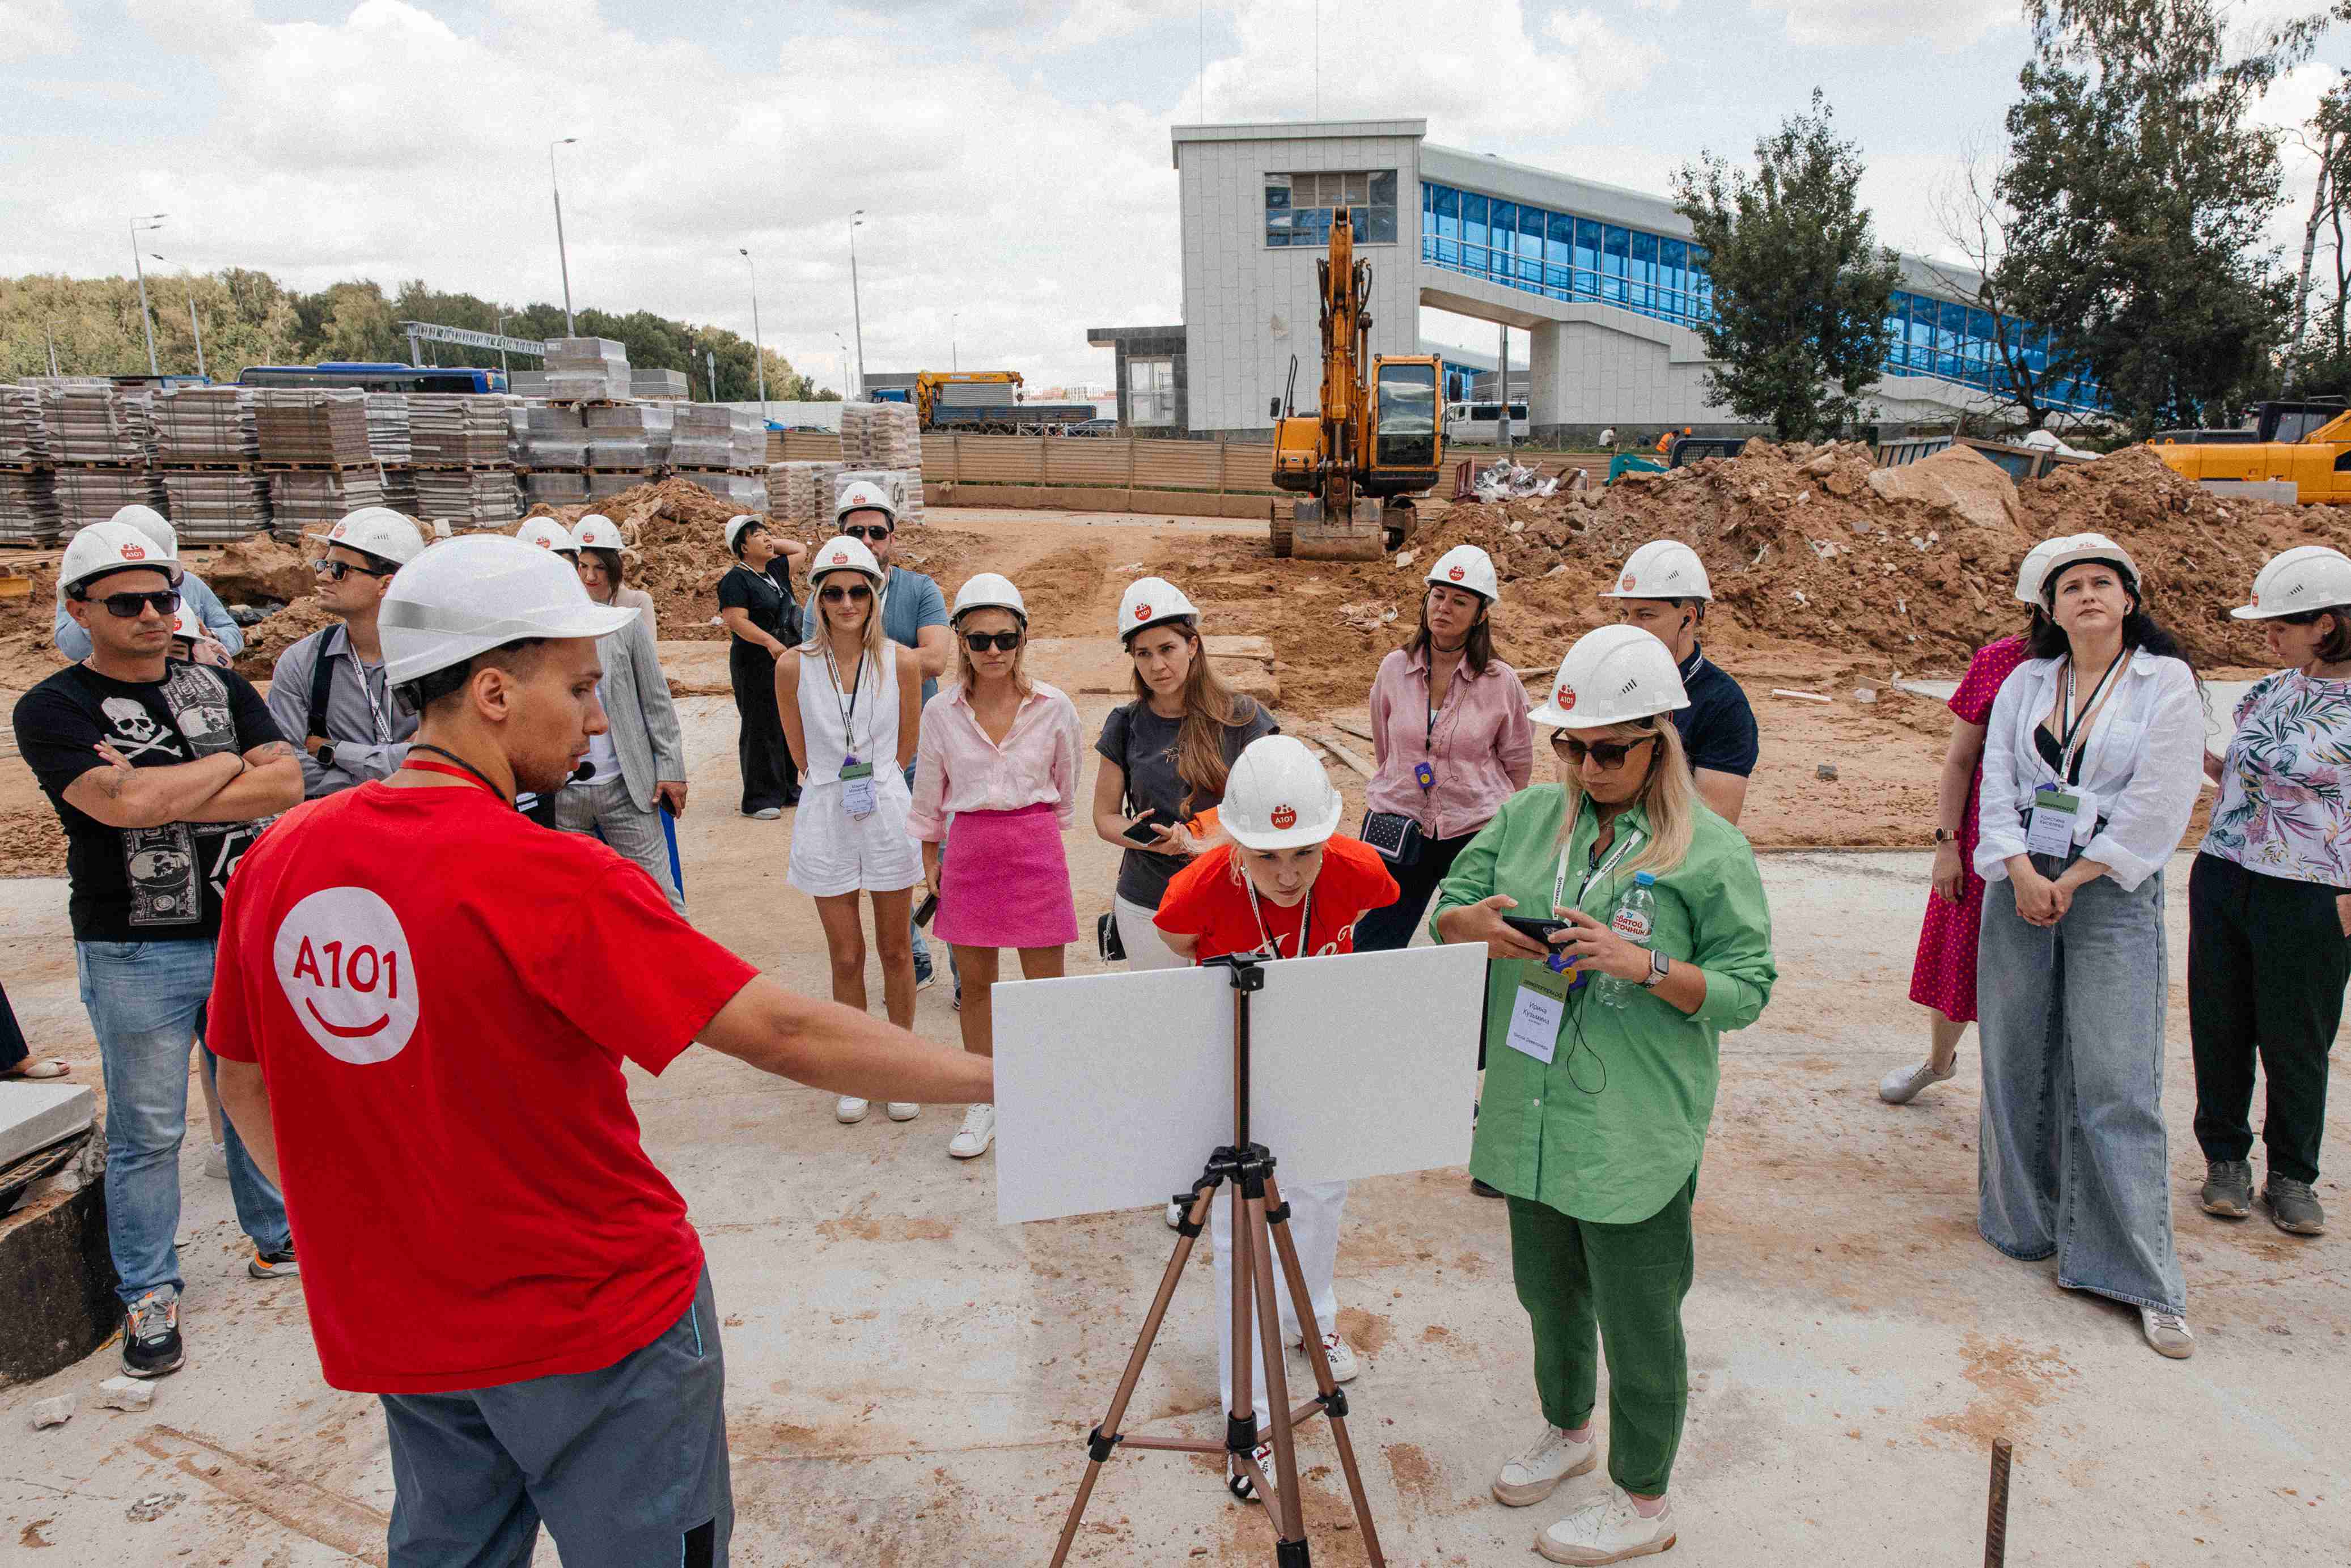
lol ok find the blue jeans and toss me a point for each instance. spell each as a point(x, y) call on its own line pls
point(2073, 1158)
point(143, 1000)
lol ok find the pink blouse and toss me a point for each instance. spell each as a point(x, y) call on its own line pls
point(958, 768)
point(1479, 743)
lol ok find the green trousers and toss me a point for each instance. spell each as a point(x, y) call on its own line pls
point(1586, 1286)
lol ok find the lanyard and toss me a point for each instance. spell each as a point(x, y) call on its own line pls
point(375, 715)
point(1625, 844)
point(463, 769)
point(849, 714)
point(1305, 919)
point(2076, 734)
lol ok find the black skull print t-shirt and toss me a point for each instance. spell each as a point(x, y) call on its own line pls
point(143, 884)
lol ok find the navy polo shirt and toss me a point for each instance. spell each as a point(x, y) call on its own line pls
point(1718, 727)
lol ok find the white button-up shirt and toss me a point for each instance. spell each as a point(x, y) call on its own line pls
point(2143, 763)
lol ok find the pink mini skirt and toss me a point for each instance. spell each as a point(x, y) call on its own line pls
point(1006, 881)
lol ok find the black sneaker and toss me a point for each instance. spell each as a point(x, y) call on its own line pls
point(151, 1334)
point(1482, 1190)
point(2228, 1188)
point(2293, 1208)
point(278, 1265)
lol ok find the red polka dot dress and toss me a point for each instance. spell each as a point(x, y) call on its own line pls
point(1944, 977)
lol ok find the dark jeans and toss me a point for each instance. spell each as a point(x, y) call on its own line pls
point(769, 777)
point(2267, 962)
point(1384, 930)
point(13, 1049)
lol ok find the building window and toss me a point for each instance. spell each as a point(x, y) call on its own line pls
point(1150, 391)
point(1297, 207)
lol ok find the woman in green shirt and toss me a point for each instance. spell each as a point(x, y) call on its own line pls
point(1601, 1075)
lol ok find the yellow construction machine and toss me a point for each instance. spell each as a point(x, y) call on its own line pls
point(1374, 443)
point(2304, 444)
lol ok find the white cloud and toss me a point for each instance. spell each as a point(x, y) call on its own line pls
point(1945, 24)
point(31, 29)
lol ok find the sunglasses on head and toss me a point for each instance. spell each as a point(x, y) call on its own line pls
point(339, 569)
point(1609, 754)
point(855, 593)
point(1002, 641)
point(864, 534)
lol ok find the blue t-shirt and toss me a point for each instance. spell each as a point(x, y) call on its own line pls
point(1718, 727)
point(910, 601)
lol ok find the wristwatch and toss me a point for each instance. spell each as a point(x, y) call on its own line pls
point(325, 754)
point(1658, 966)
point(1945, 836)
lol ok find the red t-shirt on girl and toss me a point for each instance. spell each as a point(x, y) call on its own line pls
point(1209, 899)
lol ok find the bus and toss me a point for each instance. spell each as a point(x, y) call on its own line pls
point(376, 378)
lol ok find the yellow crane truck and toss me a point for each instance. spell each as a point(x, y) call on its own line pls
point(1374, 442)
point(2306, 445)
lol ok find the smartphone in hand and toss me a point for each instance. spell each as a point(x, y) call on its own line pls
point(1145, 834)
point(1538, 930)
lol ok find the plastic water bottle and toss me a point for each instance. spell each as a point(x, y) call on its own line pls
point(1635, 918)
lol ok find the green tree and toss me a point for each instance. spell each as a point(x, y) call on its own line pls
point(1801, 284)
point(2139, 190)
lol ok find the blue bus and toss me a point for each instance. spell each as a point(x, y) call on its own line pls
point(383, 378)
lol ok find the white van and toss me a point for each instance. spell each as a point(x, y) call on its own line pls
point(1480, 423)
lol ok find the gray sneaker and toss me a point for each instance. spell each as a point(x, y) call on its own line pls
point(2293, 1207)
point(2228, 1188)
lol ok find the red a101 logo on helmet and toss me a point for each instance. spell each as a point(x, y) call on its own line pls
point(1143, 612)
point(1628, 585)
point(1567, 699)
point(134, 552)
point(840, 558)
point(1456, 574)
point(1283, 817)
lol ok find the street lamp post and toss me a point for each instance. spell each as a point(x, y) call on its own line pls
point(146, 322)
point(197, 331)
point(562, 255)
point(857, 308)
point(954, 362)
point(758, 343)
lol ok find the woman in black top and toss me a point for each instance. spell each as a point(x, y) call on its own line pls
point(755, 600)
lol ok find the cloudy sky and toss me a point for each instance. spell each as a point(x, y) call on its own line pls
point(1011, 156)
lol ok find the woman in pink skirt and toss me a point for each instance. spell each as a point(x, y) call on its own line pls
point(1944, 977)
point(995, 777)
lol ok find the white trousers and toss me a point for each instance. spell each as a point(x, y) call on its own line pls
point(1315, 1210)
point(1145, 949)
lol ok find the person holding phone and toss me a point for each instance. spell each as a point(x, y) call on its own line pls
point(995, 774)
point(850, 699)
point(1166, 758)
point(1279, 881)
point(1603, 1062)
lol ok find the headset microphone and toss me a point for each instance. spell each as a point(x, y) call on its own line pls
point(586, 771)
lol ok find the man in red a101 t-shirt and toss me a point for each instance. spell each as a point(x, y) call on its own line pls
point(485, 1243)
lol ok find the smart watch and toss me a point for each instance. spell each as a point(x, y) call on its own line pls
point(325, 754)
point(1658, 966)
point(1945, 836)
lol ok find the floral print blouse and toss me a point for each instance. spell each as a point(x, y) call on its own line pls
point(2285, 786)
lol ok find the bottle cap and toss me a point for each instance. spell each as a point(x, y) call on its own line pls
point(1645, 879)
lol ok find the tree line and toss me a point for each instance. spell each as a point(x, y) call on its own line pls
point(247, 318)
point(2123, 215)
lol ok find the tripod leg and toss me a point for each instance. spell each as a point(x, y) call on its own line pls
point(1241, 1433)
point(1106, 1435)
point(1291, 1528)
point(1285, 1250)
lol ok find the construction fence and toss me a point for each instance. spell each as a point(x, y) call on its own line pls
point(1077, 473)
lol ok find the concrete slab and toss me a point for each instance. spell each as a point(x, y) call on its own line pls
point(35, 1116)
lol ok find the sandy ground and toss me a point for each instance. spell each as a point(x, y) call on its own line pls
point(909, 1381)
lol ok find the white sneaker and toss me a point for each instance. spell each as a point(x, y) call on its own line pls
point(1342, 1358)
point(1555, 1456)
point(1239, 1485)
point(1174, 1215)
point(848, 1110)
point(1901, 1086)
point(2167, 1332)
point(1608, 1529)
point(978, 1132)
point(904, 1110)
point(217, 1162)
point(767, 813)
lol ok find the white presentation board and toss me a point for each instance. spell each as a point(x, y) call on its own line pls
point(1111, 1090)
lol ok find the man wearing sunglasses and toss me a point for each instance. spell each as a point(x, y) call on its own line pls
point(329, 688)
point(913, 615)
point(1664, 590)
point(222, 640)
point(163, 773)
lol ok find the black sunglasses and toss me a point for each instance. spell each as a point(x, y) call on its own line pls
point(1002, 641)
point(339, 569)
point(1609, 754)
point(856, 593)
point(165, 601)
point(862, 533)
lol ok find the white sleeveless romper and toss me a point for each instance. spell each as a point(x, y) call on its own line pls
point(832, 853)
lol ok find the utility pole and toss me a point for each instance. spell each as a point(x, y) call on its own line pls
point(758, 343)
point(857, 309)
point(146, 322)
point(710, 362)
point(562, 254)
point(195, 329)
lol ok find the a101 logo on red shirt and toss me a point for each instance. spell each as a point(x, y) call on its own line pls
point(345, 965)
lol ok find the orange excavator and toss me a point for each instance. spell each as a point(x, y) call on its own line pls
point(1374, 443)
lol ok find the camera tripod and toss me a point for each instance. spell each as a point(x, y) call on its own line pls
point(1243, 1171)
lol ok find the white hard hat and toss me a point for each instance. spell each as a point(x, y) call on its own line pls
point(737, 525)
point(377, 531)
point(990, 591)
point(466, 596)
point(1662, 568)
point(186, 624)
point(102, 548)
point(1147, 602)
point(843, 554)
point(152, 523)
point(2033, 568)
point(596, 531)
point(2308, 577)
point(1277, 797)
point(1466, 566)
point(546, 534)
point(2075, 549)
point(1611, 675)
point(864, 496)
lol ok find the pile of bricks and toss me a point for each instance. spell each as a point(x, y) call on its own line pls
point(458, 430)
point(91, 494)
point(587, 370)
point(712, 436)
point(28, 507)
point(217, 505)
point(313, 426)
point(98, 422)
point(806, 493)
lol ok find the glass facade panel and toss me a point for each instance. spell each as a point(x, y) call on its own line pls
point(1616, 263)
point(1587, 259)
point(1447, 203)
point(1473, 235)
point(1503, 226)
point(1559, 258)
point(1645, 271)
point(1297, 207)
point(1673, 278)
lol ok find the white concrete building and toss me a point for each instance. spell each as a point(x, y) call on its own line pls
point(1604, 281)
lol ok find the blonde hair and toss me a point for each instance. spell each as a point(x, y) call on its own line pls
point(819, 625)
point(1668, 799)
point(969, 675)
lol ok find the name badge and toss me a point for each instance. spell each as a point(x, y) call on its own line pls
point(2049, 831)
point(857, 788)
point(1540, 1009)
point(1424, 776)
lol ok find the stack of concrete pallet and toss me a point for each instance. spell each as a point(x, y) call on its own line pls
point(316, 451)
point(806, 501)
point(388, 440)
point(468, 497)
point(98, 422)
point(661, 386)
point(880, 436)
point(312, 501)
point(28, 496)
point(744, 492)
point(210, 425)
point(90, 493)
point(458, 430)
point(630, 437)
point(587, 370)
point(903, 485)
point(23, 426)
point(217, 505)
point(711, 436)
point(554, 448)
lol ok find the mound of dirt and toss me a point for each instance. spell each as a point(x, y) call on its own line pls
point(265, 639)
point(258, 569)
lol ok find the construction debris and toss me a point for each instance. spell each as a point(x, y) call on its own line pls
point(125, 1394)
point(1504, 480)
point(54, 1412)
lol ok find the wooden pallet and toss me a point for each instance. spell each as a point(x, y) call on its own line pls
point(181, 466)
point(370, 465)
point(456, 467)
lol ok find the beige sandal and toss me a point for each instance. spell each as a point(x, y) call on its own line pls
point(34, 1068)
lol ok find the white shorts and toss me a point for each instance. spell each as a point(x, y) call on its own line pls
point(833, 854)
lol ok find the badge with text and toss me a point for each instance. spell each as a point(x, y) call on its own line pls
point(2055, 812)
point(344, 964)
point(1537, 1012)
point(857, 787)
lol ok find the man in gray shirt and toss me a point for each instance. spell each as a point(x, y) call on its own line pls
point(352, 731)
